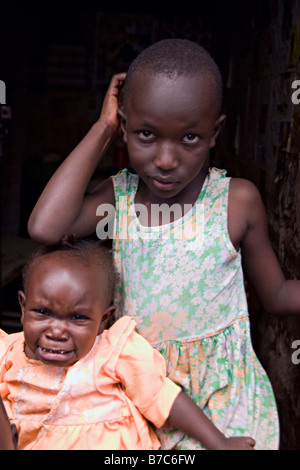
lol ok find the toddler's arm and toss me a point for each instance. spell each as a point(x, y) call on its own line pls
point(63, 208)
point(189, 418)
point(159, 399)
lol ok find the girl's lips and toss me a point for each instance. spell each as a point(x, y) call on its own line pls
point(164, 185)
point(54, 355)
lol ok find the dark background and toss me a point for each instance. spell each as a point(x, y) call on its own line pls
point(57, 60)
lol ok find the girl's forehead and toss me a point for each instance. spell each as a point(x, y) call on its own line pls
point(55, 262)
point(57, 259)
point(147, 79)
point(71, 276)
point(191, 94)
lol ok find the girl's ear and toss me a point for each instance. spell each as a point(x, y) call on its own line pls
point(106, 317)
point(22, 302)
point(217, 128)
point(123, 120)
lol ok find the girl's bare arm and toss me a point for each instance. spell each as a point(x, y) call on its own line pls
point(247, 218)
point(63, 207)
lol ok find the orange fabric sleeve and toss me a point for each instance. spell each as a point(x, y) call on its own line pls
point(142, 371)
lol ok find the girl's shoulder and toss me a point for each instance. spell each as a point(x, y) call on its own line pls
point(111, 344)
point(241, 189)
point(244, 190)
point(123, 327)
point(245, 210)
point(113, 339)
point(8, 342)
point(8, 339)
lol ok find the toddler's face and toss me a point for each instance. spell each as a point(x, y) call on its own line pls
point(169, 126)
point(62, 309)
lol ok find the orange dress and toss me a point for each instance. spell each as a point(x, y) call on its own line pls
point(103, 401)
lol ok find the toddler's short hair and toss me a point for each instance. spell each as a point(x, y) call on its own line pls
point(87, 251)
point(174, 58)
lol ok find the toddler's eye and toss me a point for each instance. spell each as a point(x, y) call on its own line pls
point(41, 311)
point(190, 138)
point(77, 316)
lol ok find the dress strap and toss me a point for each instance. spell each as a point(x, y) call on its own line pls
point(216, 207)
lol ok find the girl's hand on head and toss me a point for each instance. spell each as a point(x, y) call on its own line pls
point(109, 112)
point(239, 443)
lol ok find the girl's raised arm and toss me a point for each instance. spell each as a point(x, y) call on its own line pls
point(63, 208)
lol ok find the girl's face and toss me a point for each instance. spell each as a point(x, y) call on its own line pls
point(62, 309)
point(169, 126)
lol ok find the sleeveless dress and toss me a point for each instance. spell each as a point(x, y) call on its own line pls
point(183, 283)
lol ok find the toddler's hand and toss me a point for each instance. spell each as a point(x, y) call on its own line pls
point(239, 443)
point(109, 112)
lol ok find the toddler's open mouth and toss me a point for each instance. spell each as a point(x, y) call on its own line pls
point(54, 355)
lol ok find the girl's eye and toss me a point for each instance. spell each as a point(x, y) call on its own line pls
point(41, 311)
point(191, 138)
point(146, 135)
point(79, 317)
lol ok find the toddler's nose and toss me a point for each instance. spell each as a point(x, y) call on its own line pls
point(57, 331)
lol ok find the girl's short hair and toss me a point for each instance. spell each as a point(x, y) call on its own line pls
point(174, 58)
point(86, 250)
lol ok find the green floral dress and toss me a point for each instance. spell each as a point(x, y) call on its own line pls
point(183, 283)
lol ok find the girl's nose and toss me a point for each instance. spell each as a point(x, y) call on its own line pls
point(57, 331)
point(165, 157)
